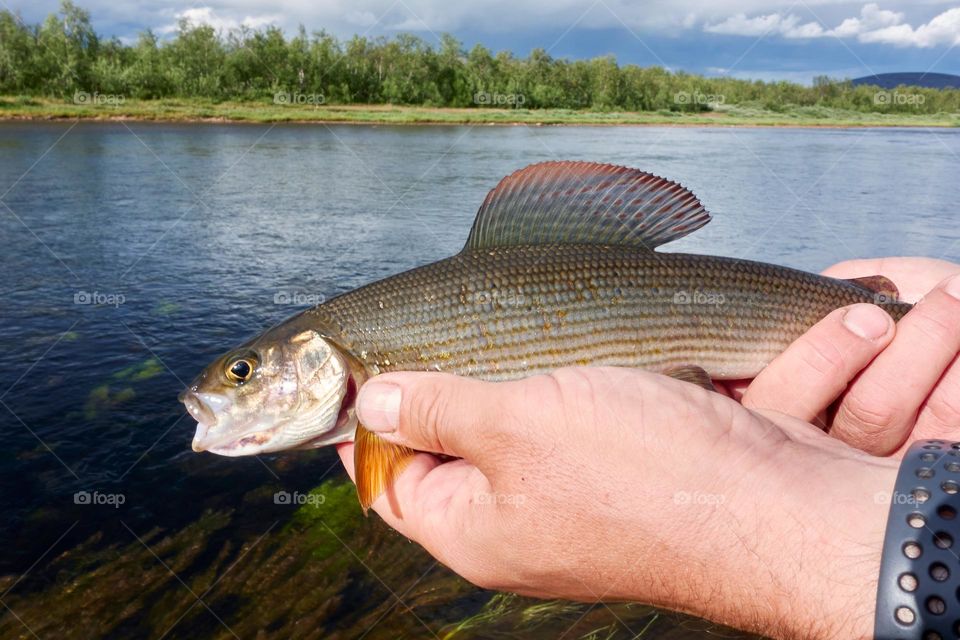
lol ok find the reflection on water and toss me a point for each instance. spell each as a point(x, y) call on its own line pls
point(134, 253)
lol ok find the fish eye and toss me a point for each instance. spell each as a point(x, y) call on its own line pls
point(240, 370)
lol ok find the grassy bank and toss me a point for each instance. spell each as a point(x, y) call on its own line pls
point(17, 107)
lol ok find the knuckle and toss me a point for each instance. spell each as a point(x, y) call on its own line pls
point(452, 414)
point(551, 386)
point(821, 356)
point(944, 406)
point(425, 414)
point(582, 385)
point(937, 428)
point(869, 423)
point(565, 398)
point(937, 331)
point(531, 402)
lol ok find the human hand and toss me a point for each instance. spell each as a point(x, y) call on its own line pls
point(895, 384)
point(618, 484)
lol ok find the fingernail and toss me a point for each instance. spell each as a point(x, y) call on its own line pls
point(867, 321)
point(953, 286)
point(378, 406)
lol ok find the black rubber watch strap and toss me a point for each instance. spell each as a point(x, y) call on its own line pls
point(917, 594)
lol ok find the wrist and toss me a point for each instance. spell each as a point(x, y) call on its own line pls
point(790, 548)
point(786, 542)
point(796, 546)
point(826, 542)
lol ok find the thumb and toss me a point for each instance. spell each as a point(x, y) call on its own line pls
point(817, 368)
point(436, 412)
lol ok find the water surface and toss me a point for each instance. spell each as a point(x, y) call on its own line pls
point(134, 253)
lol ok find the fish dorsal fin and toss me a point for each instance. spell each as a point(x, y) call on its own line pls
point(585, 203)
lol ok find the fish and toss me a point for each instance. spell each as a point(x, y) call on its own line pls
point(560, 268)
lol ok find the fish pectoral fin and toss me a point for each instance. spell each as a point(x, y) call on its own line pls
point(692, 373)
point(377, 464)
point(881, 285)
point(585, 203)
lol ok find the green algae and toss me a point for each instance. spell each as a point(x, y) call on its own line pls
point(166, 308)
point(318, 570)
point(149, 368)
point(496, 607)
point(329, 516)
point(102, 398)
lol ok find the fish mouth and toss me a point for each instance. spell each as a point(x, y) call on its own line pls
point(257, 437)
point(251, 442)
point(204, 407)
point(246, 445)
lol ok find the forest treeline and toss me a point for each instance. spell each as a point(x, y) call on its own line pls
point(64, 57)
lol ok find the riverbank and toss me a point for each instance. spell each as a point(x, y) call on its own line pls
point(113, 108)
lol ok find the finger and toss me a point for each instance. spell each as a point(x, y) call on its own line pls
point(882, 405)
point(436, 412)
point(432, 502)
point(806, 378)
point(940, 415)
point(914, 277)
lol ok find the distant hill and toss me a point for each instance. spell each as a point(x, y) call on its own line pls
point(894, 80)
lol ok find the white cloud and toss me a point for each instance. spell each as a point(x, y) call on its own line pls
point(892, 22)
point(741, 25)
point(942, 30)
point(872, 17)
point(412, 23)
point(806, 30)
point(874, 25)
point(361, 18)
point(207, 16)
point(789, 26)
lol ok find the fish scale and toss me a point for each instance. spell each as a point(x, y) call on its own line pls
point(509, 312)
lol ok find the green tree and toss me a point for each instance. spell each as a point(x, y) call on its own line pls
point(17, 48)
point(147, 76)
point(66, 48)
point(195, 59)
point(63, 55)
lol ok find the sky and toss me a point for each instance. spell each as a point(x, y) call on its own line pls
point(789, 40)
